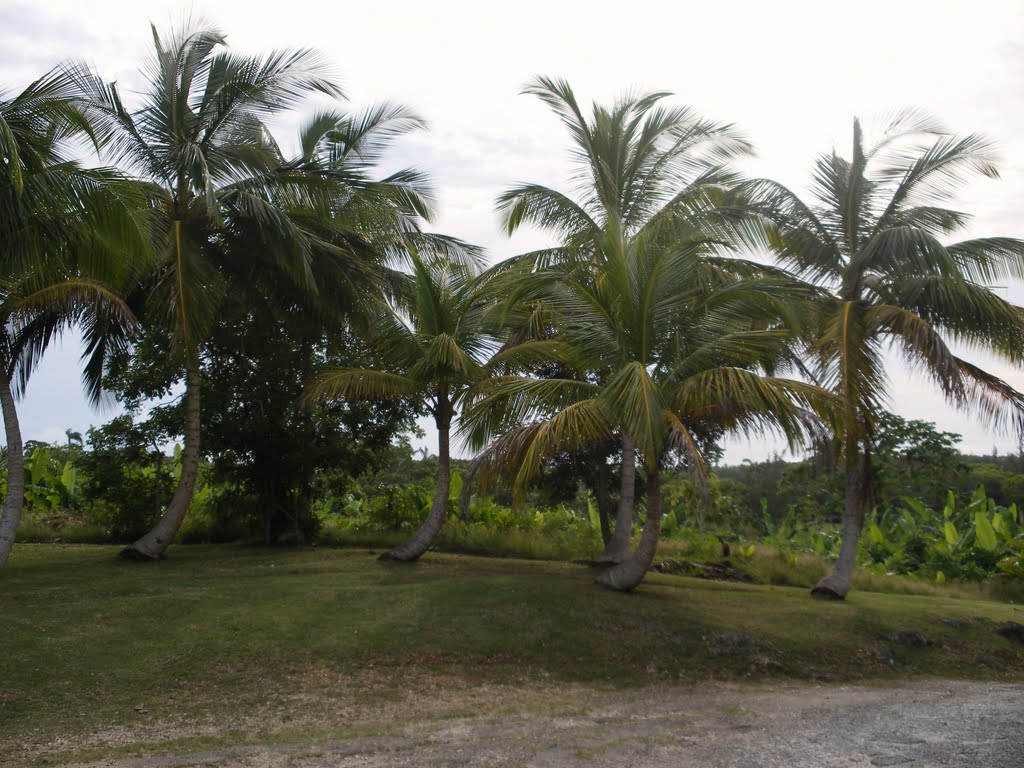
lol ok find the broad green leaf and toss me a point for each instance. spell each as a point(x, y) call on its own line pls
point(920, 509)
point(877, 537)
point(1011, 565)
point(979, 496)
point(455, 487)
point(70, 479)
point(952, 537)
point(984, 535)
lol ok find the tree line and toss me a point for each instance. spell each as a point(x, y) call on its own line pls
point(655, 324)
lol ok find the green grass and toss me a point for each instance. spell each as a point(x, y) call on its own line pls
point(231, 643)
point(574, 543)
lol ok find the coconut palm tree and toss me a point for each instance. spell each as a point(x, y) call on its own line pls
point(432, 346)
point(200, 140)
point(876, 238)
point(63, 230)
point(640, 166)
point(684, 351)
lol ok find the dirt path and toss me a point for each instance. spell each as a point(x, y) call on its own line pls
point(922, 724)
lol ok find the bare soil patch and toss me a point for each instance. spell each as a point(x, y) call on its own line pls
point(817, 726)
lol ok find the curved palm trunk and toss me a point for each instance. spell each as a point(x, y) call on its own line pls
point(617, 549)
point(153, 545)
point(837, 584)
point(15, 497)
point(427, 532)
point(627, 575)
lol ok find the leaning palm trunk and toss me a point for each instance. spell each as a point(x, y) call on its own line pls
point(153, 545)
point(15, 497)
point(617, 550)
point(837, 584)
point(627, 575)
point(427, 532)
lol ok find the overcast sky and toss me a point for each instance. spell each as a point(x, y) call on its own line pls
point(790, 75)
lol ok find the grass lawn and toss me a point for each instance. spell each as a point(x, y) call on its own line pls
point(226, 644)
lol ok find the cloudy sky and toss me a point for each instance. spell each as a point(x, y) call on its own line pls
point(790, 74)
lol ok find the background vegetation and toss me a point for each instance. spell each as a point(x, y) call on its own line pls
point(934, 518)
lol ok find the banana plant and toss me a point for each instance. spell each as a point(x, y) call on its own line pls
point(48, 484)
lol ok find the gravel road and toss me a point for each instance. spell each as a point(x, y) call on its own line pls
point(824, 726)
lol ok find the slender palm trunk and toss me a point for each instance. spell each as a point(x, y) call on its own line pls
point(153, 545)
point(15, 497)
point(627, 575)
point(617, 549)
point(427, 532)
point(837, 584)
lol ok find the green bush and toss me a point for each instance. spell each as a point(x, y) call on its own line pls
point(59, 526)
point(389, 514)
point(218, 514)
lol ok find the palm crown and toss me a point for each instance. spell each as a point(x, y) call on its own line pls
point(875, 238)
point(200, 139)
point(431, 345)
point(65, 236)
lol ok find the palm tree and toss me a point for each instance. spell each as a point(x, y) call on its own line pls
point(200, 140)
point(684, 351)
point(63, 229)
point(432, 347)
point(641, 167)
point(874, 238)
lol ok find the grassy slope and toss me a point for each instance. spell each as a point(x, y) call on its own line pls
point(231, 634)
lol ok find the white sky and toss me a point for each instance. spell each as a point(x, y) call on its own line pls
point(791, 75)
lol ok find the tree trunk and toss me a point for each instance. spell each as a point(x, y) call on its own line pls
point(837, 584)
point(15, 497)
point(425, 535)
point(153, 545)
point(617, 548)
point(627, 575)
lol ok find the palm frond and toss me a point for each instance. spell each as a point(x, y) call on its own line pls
point(361, 384)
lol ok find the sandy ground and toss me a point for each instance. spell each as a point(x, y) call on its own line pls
point(820, 726)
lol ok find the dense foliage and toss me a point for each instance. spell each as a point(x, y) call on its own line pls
point(109, 486)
